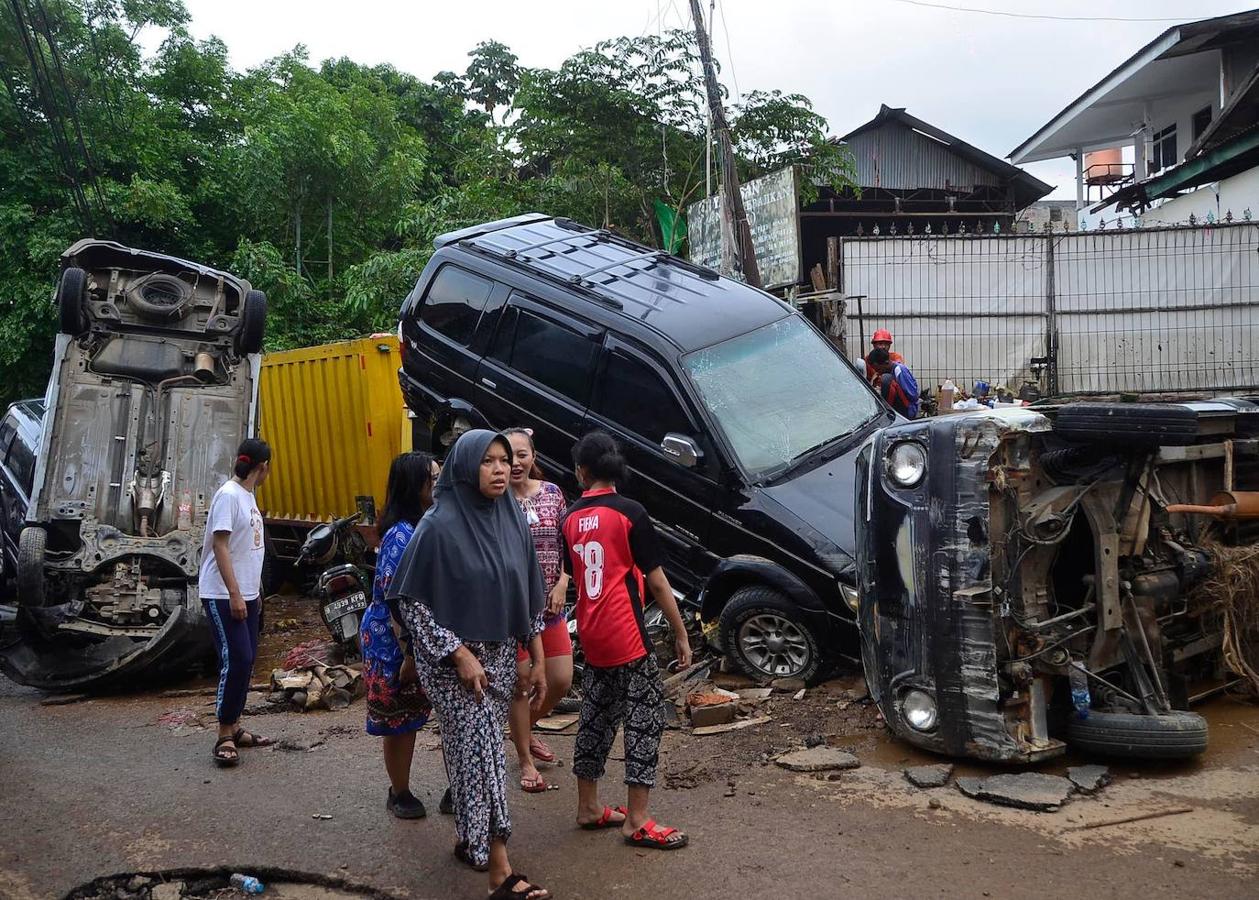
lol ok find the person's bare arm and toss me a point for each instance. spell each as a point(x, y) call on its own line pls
point(662, 593)
point(235, 602)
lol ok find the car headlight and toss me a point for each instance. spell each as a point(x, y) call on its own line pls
point(918, 709)
point(906, 463)
point(851, 598)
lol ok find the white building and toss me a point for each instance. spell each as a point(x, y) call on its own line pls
point(1173, 132)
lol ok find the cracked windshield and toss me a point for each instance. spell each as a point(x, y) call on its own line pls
point(779, 392)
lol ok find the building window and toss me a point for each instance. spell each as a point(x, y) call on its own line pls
point(1164, 152)
point(1201, 120)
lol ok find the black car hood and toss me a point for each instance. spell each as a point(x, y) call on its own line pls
point(820, 499)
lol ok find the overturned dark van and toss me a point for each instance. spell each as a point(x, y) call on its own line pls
point(740, 421)
point(1037, 578)
point(154, 384)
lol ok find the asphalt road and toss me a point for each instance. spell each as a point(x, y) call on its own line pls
point(99, 787)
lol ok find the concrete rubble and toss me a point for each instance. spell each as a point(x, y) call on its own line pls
point(1089, 779)
point(929, 776)
point(1024, 790)
point(817, 759)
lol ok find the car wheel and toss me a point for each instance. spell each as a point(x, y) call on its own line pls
point(1128, 424)
point(253, 322)
point(71, 298)
point(766, 636)
point(1175, 735)
point(32, 544)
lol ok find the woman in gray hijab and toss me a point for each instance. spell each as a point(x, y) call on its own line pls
point(470, 589)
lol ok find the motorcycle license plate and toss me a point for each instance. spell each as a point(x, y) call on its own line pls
point(356, 602)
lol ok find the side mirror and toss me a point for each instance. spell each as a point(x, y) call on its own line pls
point(682, 448)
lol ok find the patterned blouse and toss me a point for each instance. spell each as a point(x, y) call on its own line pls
point(543, 511)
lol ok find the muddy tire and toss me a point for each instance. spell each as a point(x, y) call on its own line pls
point(71, 301)
point(1142, 425)
point(31, 550)
point(1176, 735)
point(766, 636)
point(253, 322)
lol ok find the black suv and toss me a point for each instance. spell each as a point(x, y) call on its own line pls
point(740, 421)
point(20, 431)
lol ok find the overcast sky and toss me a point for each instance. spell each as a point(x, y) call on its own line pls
point(990, 80)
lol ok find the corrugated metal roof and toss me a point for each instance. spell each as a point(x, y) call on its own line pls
point(899, 158)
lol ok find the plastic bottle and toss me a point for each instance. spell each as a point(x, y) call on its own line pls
point(247, 884)
point(1080, 698)
point(948, 391)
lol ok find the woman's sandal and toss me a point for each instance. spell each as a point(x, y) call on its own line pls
point(507, 890)
point(606, 820)
point(657, 838)
point(540, 751)
point(225, 757)
point(462, 854)
point(243, 738)
point(534, 785)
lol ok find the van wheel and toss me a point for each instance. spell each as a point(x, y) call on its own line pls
point(765, 635)
point(1128, 424)
point(32, 544)
point(253, 322)
point(1175, 735)
point(71, 298)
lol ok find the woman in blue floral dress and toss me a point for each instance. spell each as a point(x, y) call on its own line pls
point(396, 705)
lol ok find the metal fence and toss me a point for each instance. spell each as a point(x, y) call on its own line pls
point(1151, 310)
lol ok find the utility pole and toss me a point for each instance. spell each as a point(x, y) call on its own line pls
point(734, 216)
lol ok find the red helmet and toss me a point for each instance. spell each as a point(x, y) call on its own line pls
point(881, 335)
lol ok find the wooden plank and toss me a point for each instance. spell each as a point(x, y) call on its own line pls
point(733, 726)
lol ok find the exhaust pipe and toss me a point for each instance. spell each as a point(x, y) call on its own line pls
point(1224, 505)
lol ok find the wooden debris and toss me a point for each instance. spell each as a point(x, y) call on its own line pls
point(733, 726)
point(675, 684)
point(1157, 814)
point(557, 723)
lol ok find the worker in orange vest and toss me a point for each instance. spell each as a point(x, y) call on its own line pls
point(882, 340)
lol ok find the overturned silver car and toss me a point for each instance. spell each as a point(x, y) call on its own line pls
point(1033, 579)
point(154, 384)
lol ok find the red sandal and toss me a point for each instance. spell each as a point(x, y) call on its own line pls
point(657, 838)
point(605, 820)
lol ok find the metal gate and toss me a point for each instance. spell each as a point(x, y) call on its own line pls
point(1152, 310)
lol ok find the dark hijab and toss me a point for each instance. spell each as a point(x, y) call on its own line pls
point(471, 560)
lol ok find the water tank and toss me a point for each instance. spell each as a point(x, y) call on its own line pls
point(1104, 166)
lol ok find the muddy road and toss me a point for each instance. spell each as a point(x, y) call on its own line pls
point(125, 785)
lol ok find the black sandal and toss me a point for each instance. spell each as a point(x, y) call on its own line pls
point(254, 740)
point(462, 854)
point(506, 890)
point(226, 757)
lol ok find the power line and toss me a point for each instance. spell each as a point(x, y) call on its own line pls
point(1015, 15)
point(729, 51)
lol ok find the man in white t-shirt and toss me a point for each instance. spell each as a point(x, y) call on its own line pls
point(230, 585)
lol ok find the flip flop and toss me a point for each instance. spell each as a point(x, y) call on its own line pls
point(225, 757)
point(534, 785)
point(657, 838)
point(540, 751)
point(507, 890)
point(606, 820)
point(243, 738)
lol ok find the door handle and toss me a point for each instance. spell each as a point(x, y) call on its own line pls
point(488, 383)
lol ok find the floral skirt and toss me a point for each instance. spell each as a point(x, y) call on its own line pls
point(392, 707)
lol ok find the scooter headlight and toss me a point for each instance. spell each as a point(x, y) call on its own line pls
point(918, 709)
point(906, 463)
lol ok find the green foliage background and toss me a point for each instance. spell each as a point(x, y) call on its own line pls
point(325, 185)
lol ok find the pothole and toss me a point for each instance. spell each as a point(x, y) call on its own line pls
point(215, 884)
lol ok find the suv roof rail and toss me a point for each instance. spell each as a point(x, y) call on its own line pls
point(544, 257)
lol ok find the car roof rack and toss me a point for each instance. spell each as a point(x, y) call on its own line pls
point(610, 268)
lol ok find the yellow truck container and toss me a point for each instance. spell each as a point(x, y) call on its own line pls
point(335, 419)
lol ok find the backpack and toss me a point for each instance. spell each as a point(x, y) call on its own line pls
point(900, 389)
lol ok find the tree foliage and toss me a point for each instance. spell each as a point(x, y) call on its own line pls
point(326, 185)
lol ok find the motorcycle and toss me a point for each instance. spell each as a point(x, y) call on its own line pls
point(340, 589)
